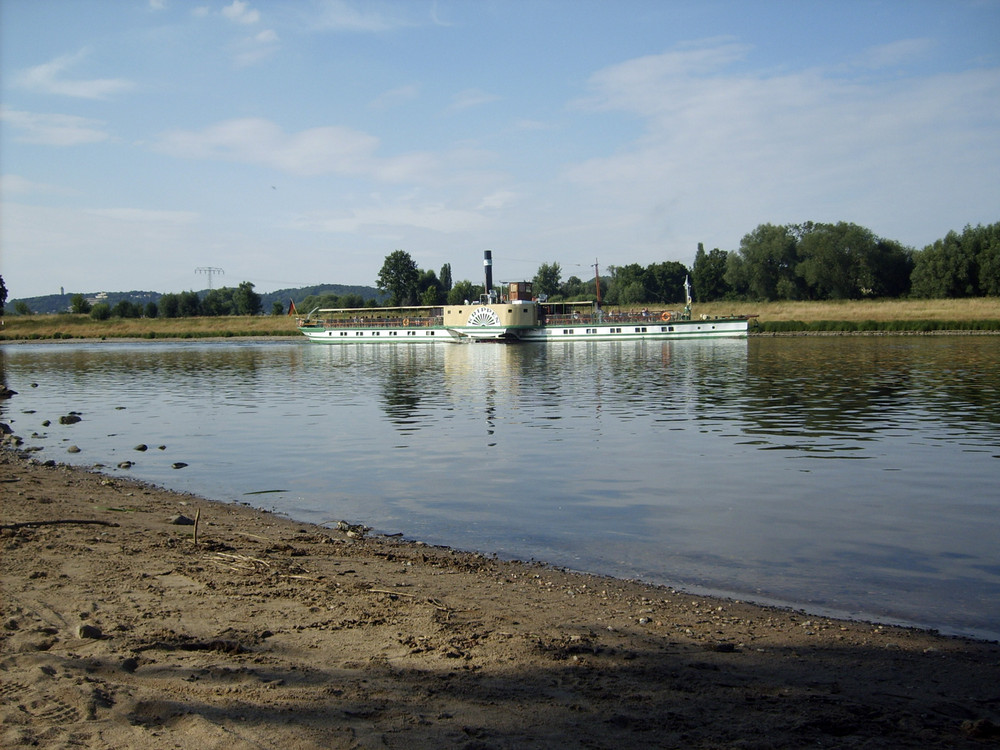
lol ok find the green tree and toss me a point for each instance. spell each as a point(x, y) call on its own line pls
point(169, 306)
point(429, 289)
point(151, 310)
point(245, 300)
point(989, 262)
point(189, 305)
point(546, 279)
point(959, 265)
point(892, 267)
point(125, 309)
point(576, 289)
point(277, 308)
point(445, 278)
point(766, 270)
point(628, 284)
point(430, 296)
point(398, 276)
point(217, 302)
point(79, 305)
point(945, 269)
point(708, 277)
point(100, 311)
point(835, 260)
point(464, 291)
point(3, 295)
point(664, 282)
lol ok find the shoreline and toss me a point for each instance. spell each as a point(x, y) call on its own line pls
point(253, 338)
point(268, 632)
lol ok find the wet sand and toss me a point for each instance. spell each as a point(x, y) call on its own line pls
point(122, 629)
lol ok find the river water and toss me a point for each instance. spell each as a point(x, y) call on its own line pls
point(851, 476)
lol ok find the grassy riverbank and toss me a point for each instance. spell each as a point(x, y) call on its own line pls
point(980, 314)
point(67, 326)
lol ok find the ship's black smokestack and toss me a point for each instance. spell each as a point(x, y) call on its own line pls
point(488, 265)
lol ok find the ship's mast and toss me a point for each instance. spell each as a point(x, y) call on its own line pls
point(597, 283)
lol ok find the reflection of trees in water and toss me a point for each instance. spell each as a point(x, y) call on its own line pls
point(865, 385)
point(3, 383)
point(410, 374)
point(855, 387)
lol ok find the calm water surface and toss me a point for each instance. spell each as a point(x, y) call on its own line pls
point(851, 476)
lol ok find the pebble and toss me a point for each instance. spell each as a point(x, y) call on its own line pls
point(178, 465)
point(181, 520)
point(73, 449)
point(89, 631)
point(141, 447)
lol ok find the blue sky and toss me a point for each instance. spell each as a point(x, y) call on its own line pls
point(300, 142)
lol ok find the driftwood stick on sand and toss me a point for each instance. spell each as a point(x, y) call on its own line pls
point(53, 522)
point(197, 518)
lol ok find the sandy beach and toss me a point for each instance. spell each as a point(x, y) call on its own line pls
point(125, 624)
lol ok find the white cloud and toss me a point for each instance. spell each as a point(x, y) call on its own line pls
point(54, 129)
point(317, 151)
point(50, 78)
point(396, 97)
point(144, 216)
point(895, 53)
point(471, 98)
point(497, 200)
point(725, 148)
point(240, 12)
point(46, 247)
point(258, 47)
point(337, 15)
point(12, 184)
point(435, 217)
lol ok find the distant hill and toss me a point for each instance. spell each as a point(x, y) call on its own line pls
point(58, 303)
point(297, 295)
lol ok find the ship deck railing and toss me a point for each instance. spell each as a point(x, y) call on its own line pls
point(366, 322)
point(612, 318)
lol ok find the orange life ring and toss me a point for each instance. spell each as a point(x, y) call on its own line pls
point(666, 316)
point(406, 321)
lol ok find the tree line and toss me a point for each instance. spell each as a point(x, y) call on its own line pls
point(240, 300)
point(845, 261)
point(809, 261)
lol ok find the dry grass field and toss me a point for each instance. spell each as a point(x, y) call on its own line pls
point(82, 326)
point(976, 309)
point(982, 311)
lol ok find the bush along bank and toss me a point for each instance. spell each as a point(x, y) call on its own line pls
point(876, 326)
